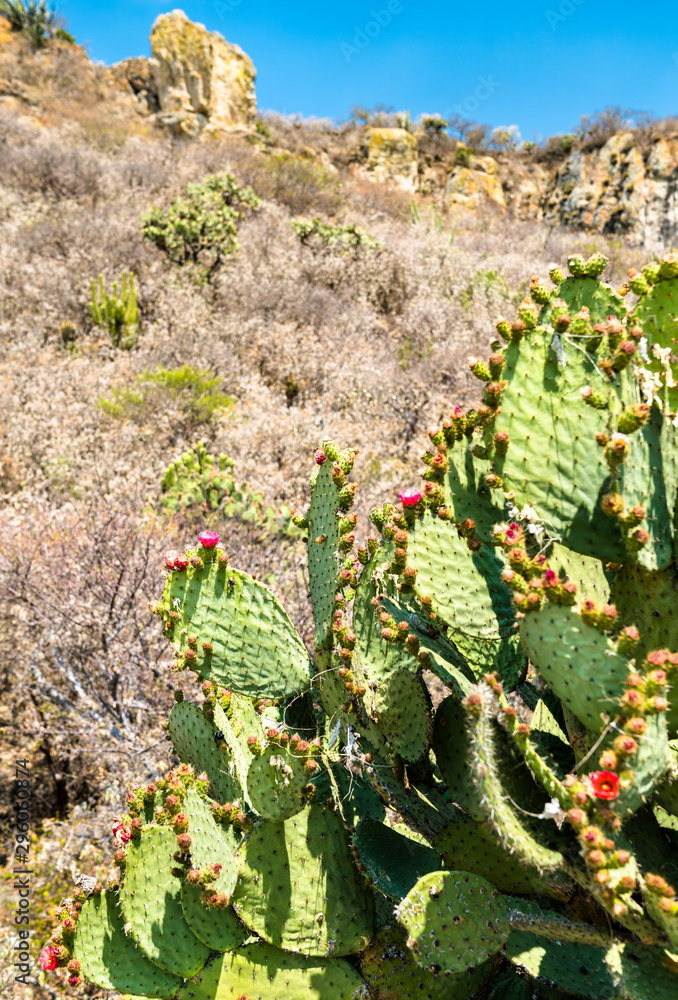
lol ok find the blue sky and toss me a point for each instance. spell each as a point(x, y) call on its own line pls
point(539, 64)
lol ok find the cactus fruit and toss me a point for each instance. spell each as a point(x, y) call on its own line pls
point(470, 787)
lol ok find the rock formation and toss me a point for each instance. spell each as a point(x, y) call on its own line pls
point(201, 80)
point(391, 154)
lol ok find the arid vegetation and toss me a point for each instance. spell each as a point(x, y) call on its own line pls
point(296, 335)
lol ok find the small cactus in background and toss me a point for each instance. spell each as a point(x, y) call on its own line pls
point(332, 829)
point(202, 486)
point(116, 313)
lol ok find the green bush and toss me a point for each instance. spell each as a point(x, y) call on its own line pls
point(349, 237)
point(194, 390)
point(298, 183)
point(32, 18)
point(201, 226)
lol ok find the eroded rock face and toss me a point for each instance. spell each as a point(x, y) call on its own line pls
point(620, 188)
point(202, 81)
point(392, 156)
point(475, 183)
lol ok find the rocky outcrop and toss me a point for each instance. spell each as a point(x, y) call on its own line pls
point(391, 155)
point(620, 188)
point(201, 80)
point(471, 185)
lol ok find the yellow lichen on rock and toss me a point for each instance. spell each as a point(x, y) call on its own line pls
point(201, 79)
point(392, 154)
point(472, 185)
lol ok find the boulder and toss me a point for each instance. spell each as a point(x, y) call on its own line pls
point(475, 184)
point(201, 80)
point(392, 155)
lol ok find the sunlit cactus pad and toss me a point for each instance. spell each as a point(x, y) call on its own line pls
point(464, 784)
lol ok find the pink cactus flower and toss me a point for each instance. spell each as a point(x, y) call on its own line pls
point(170, 556)
point(208, 539)
point(121, 832)
point(319, 456)
point(49, 959)
point(411, 497)
point(181, 561)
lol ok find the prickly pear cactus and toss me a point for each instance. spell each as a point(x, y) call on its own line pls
point(203, 486)
point(469, 789)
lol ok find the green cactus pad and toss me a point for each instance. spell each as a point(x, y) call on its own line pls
point(648, 478)
point(378, 657)
point(469, 846)
point(466, 494)
point(257, 970)
point(381, 658)
point(240, 757)
point(598, 297)
point(553, 463)
point(193, 740)
point(585, 571)
point(109, 958)
point(455, 921)
point(402, 705)
point(151, 903)
point(648, 601)
point(494, 801)
point(469, 595)
point(657, 311)
point(469, 843)
point(208, 842)
point(256, 650)
point(394, 861)
point(577, 661)
point(648, 766)
point(275, 783)
point(391, 972)
point(642, 973)
point(218, 929)
point(323, 541)
point(297, 888)
point(578, 969)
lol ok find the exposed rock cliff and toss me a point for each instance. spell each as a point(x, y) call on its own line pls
point(200, 78)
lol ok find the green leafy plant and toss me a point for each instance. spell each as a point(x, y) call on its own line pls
point(194, 391)
point(201, 226)
point(33, 18)
point(470, 788)
point(118, 314)
point(348, 237)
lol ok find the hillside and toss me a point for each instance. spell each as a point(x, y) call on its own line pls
point(358, 332)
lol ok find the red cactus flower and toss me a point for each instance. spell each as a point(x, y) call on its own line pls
point(49, 959)
point(121, 832)
point(319, 456)
point(605, 784)
point(170, 556)
point(550, 579)
point(410, 498)
point(208, 539)
point(181, 561)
